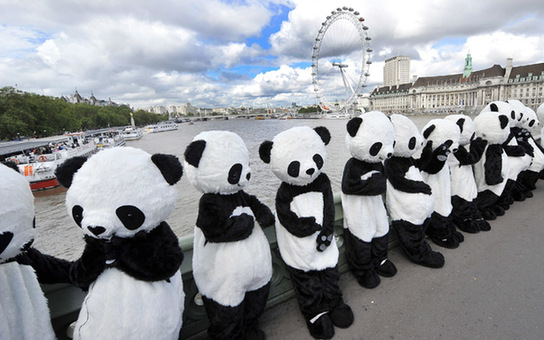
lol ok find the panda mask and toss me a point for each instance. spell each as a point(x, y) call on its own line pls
point(297, 156)
point(217, 162)
point(408, 140)
point(438, 132)
point(492, 126)
point(16, 213)
point(466, 127)
point(120, 191)
point(370, 137)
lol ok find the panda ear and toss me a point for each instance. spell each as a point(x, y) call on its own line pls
point(428, 131)
point(66, 171)
point(494, 107)
point(460, 123)
point(504, 121)
point(265, 150)
point(11, 165)
point(324, 134)
point(169, 166)
point(194, 152)
point(353, 125)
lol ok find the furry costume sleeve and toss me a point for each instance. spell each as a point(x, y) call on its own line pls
point(433, 161)
point(513, 150)
point(477, 147)
point(49, 269)
point(90, 265)
point(353, 182)
point(493, 164)
point(263, 215)
point(216, 221)
point(396, 168)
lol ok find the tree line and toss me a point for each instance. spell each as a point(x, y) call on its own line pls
point(25, 114)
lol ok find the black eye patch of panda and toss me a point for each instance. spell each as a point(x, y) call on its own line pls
point(77, 214)
point(5, 239)
point(132, 217)
point(293, 169)
point(412, 143)
point(375, 148)
point(235, 173)
point(318, 161)
point(532, 123)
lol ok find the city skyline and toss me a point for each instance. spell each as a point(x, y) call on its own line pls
point(232, 53)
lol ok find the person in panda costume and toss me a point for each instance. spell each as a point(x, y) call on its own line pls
point(540, 116)
point(24, 313)
point(305, 226)
point(491, 171)
point(465, 215)
point(120, 198)
point(232, 264)
point(408, 198)
point(441, 138)
point(518, 159)
point(530, 125)
point(370, 139)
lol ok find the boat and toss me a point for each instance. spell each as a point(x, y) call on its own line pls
point(37, 159)
point(337, 115)
point(160, 127)
point(132, 133)
point(107, 138)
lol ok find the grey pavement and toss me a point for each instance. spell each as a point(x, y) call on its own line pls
point(491, 287)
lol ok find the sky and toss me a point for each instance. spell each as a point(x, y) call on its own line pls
point(219, 53)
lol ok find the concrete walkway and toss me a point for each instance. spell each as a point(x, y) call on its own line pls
point(491, 287)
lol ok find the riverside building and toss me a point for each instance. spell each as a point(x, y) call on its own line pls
point(467, 92)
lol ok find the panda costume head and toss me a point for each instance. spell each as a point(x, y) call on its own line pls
point(408, 140)
point(292, 163)
point(441, 131)
point(466, 127)
point(528, 118)
point(512, 111)
point(120, 191)
point(492, 127)
point(217, 162)
point(16, 213)
point(370, 137)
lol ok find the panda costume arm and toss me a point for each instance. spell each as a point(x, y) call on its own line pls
point(216, 219)
point(395, 170)
point(477, 147)
point(493, 164)
point(362, 178)
point(327, 233)
point(513, 150)
point(90, 265)
point(433, 161)
point(49, 269)
point(148, 256)
point(263, 214)
point(298, 226)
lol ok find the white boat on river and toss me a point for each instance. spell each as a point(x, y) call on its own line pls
point(161, 127)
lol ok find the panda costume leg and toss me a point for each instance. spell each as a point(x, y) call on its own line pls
point(225, 322)
point(359, 257)
point(381, 264)
point(412, 240)
point(254, 304)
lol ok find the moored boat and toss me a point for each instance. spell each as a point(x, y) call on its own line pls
point(160, 127)
point(38, 159)
point(132, 133)
point(107, 138)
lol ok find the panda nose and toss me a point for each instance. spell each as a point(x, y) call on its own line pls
point(310, 171)
point(389, 155)
point(96, 230)
point(248, 176)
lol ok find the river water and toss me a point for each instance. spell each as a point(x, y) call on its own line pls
point(58, 235)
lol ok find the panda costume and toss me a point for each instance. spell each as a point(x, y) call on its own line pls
point(408, 198)
point(24, 313)
point(530, 125)
point(120, 198)
point(232, 264)
point(370, 139)
point(305, 226)
point(491, 171)
point(441, 138)
point(465, 215)
point(540, 115)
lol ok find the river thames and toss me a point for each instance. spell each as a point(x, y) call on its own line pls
point(58, 235)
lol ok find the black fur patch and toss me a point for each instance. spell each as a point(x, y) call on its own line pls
point(353, 126)
point(504, 121)
point(194, 152)
point(460, 123)
point(169, 166)
point(5, 239)
point(77, 214)
point(375, 148)
point(324, 134)
point(294, 169)
point(412, 143)
point(66, 171)
point(265, 150)
point(428, 131)
point(494, 107)
point(235, 173)
point(318, 161)
point(131, 216)
point(513, 114)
